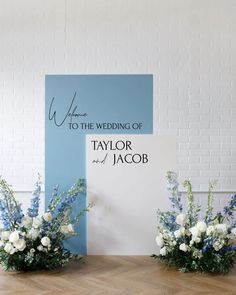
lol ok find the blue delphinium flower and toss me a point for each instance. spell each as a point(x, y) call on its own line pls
point(4, 216)
point(228, 210)
point(17, 214)
point(167, 220)
point(10, 210)
point(66, 202)
point(227, 249)
point(73, 192)
point(34, 208)
point(173, 188)
point(207, 244)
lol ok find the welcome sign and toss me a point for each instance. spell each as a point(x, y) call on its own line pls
point(77, 105)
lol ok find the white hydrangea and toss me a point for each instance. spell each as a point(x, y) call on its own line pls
point(201, 226)
point(181, 219)
point(221, 228)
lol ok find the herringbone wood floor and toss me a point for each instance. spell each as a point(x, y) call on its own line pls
point(121, 275)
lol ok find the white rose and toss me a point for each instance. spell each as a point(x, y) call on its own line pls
point(45, 241)
point(1, 244)
point(183, 247)
point(20, 244)
point(47, 216)
point(37, 222)
point(14, 236)
point(163, 251)
point(210, 230)
point(70, 228)
point(233, 231)
point(201, 225)
point(181, 219)
point(5, 235)
point(40, 248)
point(8, 248)
point(33, 233)
point(27, 221)
point(64, 229)
point(159, 241)
point(221, 228)
point(195, 231)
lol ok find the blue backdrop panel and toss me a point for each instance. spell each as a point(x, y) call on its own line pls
point(76, 105)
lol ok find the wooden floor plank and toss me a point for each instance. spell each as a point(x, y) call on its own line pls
point(116, 275)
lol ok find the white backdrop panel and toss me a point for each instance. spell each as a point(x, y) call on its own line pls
point(126, 196)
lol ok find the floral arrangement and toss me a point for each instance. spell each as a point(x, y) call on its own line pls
point(206, 245)
point(32, 242)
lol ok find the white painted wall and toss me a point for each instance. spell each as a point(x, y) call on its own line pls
point(188, 45)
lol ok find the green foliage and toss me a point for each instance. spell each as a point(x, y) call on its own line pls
point(210, 262)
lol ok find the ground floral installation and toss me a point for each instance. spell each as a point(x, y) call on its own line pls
point(206, 245)
point(32, 242)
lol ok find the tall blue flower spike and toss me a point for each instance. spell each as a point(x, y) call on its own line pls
point(34, 208)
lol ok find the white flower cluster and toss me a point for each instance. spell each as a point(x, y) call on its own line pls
point(187, 238)
point(12, 242)
point(30, 230)
point(67, 229)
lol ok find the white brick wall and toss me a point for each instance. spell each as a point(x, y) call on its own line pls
point(189, 46)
